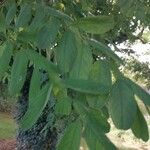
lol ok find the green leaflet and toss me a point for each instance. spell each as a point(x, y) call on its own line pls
point(86, 86)
point(47, 34)
point(5, 57)
point(96, 120)
point(127, 6)
point(122, 105)
point(100, 73)
point(34, 84)
point(2, 21)
point(66, 52)
point(36, 106)
point(41, 62)
point(18, 72)
point(91, 117)
point(24, 16)
point(39, 18)
point(83, 62)
point(97, 102)
point(11, 13)
point(97, 141)
point(105, 112)
point(139, 127)
point(27, 36)
point(63, 106)
point(140, 92)
point(71, 138)
point(58, 14)
point(100, 48)
point(95, 24)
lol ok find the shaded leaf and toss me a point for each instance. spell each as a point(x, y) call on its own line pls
point(97, 101)
point(139, 91)
point(47, 34)
point(41, 62)
point(39, 18)
point(95, 24)
point(100, 73)
point(86, 86)
point(58, 14)
point(2, 21)
point(71, 138)
point(122, 105)
point(24, 16)
point(5, 57)
point(139, 127)
point(27, 36)
point(83, 62)
point(18, 72)
point(34, 84)
point(96, 120)
point(100, 48)
point(66, 52)
point(36, 106)
point(97, 141)
point(11, 13)
point(63, 106)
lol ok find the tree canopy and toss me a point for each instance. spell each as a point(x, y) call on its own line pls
point(67, 44)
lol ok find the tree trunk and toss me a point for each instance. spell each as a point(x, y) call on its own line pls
point(35, 138)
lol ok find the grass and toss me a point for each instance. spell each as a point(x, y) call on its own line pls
point(7, 126)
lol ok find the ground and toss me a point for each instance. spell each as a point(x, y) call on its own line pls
point(7, 144)
point(7, 132)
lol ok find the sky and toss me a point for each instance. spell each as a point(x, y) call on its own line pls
point(142, 51)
